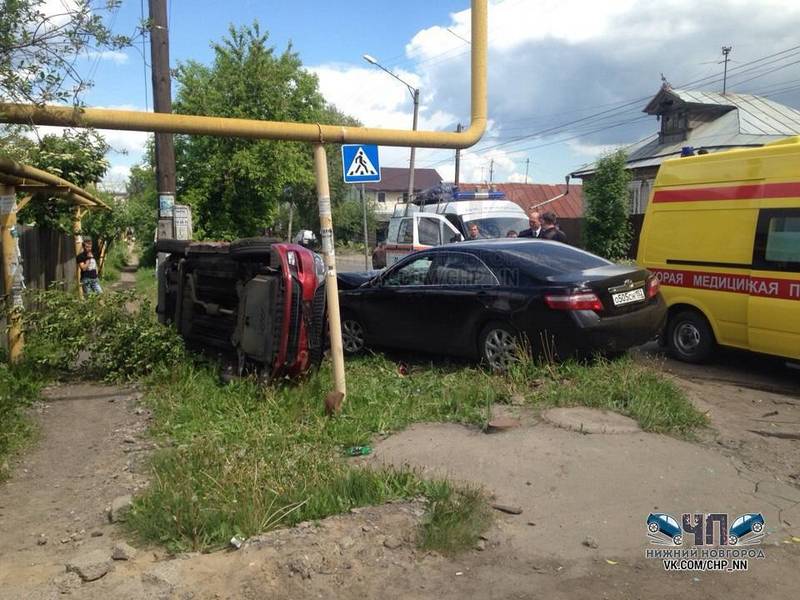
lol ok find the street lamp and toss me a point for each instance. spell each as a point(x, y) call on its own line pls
point(415, 96)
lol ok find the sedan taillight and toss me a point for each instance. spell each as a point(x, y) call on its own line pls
point(578, 301)
point(653, 286)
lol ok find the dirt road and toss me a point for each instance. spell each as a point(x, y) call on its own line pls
point(581, 532)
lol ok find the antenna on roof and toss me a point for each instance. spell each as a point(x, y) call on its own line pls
point(726, 50)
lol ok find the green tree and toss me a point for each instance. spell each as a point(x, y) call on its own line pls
point(607, 231)
point(141, 210)
point(40, 41)
point(78, 157)
point(236, 186)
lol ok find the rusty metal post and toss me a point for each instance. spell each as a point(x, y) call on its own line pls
point(329, 256)
point(11, 265)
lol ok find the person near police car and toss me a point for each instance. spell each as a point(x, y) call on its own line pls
point(535, 226)
point(550, 229)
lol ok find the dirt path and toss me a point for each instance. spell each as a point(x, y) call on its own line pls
point(54, 506)
point(584, 499)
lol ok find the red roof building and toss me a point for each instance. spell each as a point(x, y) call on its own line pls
point(539, 196)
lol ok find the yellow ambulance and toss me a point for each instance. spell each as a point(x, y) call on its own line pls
point(722, 233)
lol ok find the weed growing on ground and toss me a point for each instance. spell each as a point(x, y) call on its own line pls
point(244, 458)
point(455, 518)
point(623, 385)
point(19, 387)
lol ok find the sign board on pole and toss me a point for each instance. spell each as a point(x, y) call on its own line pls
point(183, 222)
point(166, 202)
point(360, 163)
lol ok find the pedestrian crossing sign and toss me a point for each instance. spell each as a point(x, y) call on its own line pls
point(360, 163)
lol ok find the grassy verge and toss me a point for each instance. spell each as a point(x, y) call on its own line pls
point(116, 258)
point(624, 386)
point(19, 387)
point(245, 458)
point(146, 284)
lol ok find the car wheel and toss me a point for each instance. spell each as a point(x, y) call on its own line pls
point(733, 540)
point(352, 335)
point(677, 540)
point(652, 527)
point(689, 337)
point(252, 248)
point(758, 527)
point(499, 346)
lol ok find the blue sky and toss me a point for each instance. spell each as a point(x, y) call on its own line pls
point(554, 64)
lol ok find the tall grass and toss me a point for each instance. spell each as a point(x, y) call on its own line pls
point(244, 458)
point(19, 387)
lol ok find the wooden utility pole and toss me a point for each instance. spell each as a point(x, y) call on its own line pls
point(726, 50)
point(162, 103)
point(458, 159)
point(491, 171)
point(527, 164)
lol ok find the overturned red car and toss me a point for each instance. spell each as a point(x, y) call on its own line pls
point(256, 298)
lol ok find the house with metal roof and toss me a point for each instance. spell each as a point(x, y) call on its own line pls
point(694, 121)
point(541, 197)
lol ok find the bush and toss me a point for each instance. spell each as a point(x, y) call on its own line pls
point(607, 231)
point(110, 336)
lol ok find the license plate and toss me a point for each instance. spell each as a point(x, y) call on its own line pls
point(628, 297)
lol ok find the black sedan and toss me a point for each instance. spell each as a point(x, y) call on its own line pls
point(483, 299)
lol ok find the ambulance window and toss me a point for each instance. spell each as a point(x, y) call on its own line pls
point(777, 244)
point(406, 233)
point(429, 232)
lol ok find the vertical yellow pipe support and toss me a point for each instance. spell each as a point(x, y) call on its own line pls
point(329, 256)
point(13, 297)
point(77, 215)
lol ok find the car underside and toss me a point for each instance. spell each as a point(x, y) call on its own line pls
point(257, 300)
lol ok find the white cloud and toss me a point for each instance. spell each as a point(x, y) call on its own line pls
point(116, 178)
point(116, 56)
point(554, 64)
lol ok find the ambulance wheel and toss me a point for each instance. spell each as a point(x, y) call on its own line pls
point(689, 337)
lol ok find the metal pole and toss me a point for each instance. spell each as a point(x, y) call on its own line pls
point(12, 292)
point(491, 171)
point(77, 227)
point(162, 103)
point(291, 214)
point(366, 233)
point(413, 149)
point(329, 256)
point(458, 159)
point(527, 164)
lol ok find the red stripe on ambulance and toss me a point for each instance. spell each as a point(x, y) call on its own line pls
point(767, 287)
point(734, 192)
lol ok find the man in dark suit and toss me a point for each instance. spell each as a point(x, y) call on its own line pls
point(550, 230)
point(535, 226)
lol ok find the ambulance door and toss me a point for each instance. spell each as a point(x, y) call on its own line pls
point(403, 244)
point(774, 300)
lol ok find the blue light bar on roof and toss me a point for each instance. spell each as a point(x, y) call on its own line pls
point(479, 196)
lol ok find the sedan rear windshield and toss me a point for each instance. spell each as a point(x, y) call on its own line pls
point(556, 259)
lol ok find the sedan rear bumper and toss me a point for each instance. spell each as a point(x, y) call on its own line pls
point(592, 333)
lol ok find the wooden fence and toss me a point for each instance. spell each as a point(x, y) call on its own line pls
point(574, 230)
point(48, 257)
